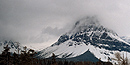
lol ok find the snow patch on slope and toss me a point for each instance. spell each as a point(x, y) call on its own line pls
point(67, 48)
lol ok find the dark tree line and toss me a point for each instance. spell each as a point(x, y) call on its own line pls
point(27, 57)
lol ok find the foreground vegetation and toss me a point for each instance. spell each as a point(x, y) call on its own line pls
point(28, 58)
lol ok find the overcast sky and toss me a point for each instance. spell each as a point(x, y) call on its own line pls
point(43, 21)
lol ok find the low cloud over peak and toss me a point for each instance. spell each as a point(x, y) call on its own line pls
point(26, 19)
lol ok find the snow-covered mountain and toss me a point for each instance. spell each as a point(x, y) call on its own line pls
point(14, 46)
point(126, 38)
point(87, 35)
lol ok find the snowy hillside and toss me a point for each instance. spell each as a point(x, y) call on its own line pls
point(126, 38)
point(87, 34)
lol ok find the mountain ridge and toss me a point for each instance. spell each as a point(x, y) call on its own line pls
point(87, 34)
point(13, 46)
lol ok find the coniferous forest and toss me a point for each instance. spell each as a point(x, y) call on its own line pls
point(28, 58)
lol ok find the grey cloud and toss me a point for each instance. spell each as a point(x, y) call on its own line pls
point(42, 20)
point(53, 31)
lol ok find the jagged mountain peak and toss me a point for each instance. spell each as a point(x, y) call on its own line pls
point(14, 46)
point(88, 29)
point(10, 43)
point(87, 33)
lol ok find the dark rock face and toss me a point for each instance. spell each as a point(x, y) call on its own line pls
point(62, 39)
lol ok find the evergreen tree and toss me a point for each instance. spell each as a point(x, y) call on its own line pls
point(53, 58)
point(5, 57)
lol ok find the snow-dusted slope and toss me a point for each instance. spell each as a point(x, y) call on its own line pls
point(69, 48)
point(14, 46)
point(87, 34)
point(126, 38)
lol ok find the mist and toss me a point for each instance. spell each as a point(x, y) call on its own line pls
point(43, 21)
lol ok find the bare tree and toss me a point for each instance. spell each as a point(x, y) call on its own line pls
point(121, 60)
